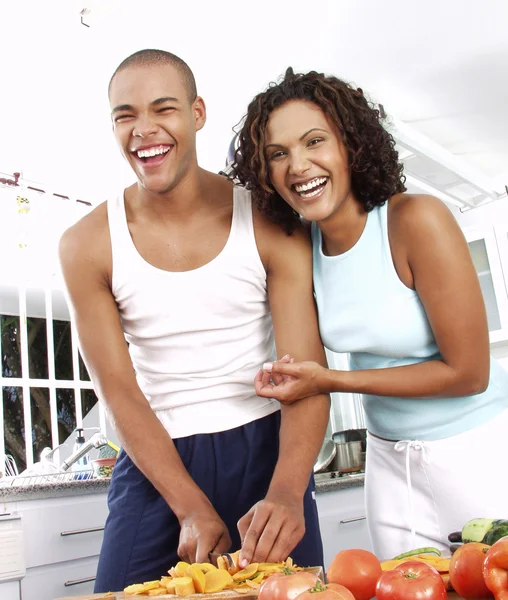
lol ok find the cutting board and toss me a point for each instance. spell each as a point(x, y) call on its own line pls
point(231, 595)
point(225, 595)
point(121, 596)
point(219, 596)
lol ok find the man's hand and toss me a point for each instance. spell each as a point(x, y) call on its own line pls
point(201, 533)
point(271, 529)
point(290, 381)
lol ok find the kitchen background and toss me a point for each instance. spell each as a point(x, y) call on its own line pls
point(437, 68)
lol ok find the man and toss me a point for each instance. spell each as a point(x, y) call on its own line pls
point(183, 268)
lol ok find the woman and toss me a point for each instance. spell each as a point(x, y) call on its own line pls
point(396, 289)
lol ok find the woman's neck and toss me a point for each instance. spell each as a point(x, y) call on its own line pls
point(344, 228)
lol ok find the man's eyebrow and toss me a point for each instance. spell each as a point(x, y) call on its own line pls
point(122, 107)
point(157, 102)
point(301, 138)
point(163, 100)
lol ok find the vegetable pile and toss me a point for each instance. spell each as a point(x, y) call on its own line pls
point(203, 578)
point(476, 570)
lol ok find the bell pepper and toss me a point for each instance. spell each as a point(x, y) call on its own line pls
point(495, 569)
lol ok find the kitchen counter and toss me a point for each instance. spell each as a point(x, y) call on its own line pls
point(326, 484)
point(26, 490)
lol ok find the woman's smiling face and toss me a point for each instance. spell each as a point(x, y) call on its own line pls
point(307, 161)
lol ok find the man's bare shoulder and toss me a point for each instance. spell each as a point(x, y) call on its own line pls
point(217, 188)
point(275, 245)
point(93, 224)
point(89, 238)
point(277, 233)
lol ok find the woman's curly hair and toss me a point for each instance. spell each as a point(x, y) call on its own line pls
point(376, 173)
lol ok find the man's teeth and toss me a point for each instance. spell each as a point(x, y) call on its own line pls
point(152, 151)
point(310, 185)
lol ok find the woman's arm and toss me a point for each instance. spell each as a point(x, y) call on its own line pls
point(431, 253)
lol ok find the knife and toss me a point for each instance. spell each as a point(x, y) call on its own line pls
point(213, 556)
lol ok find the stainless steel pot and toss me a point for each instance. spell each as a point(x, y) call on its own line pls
point(351, 435)
point(348, 457)
point(326, 456)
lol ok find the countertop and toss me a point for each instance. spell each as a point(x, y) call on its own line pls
point(31, 488)
point(34, 489)
point(326, 484)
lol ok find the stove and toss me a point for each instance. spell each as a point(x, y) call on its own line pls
point(338, 475)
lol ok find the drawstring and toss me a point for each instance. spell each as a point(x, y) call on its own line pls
point(400, 447)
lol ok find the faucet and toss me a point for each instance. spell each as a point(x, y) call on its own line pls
point(96, 441)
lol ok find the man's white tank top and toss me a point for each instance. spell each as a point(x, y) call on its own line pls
point(196, 338)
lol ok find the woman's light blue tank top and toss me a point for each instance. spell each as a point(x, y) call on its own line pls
point(365, 310)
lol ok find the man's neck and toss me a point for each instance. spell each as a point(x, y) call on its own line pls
point(179, 203)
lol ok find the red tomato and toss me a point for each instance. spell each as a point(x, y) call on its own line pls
point(330, 591)
point(356, 570)
point(466, 571)
point(286, 587)
point(345, 594)
point(412, 580)
point(495, 569)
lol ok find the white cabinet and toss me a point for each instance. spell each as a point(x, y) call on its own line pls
point(488, 250)
point(59, 580)
point(63, 529)
point(342, 521)
point(501, 232)
point(9, 590)
point(12, 561)
point(63, 538)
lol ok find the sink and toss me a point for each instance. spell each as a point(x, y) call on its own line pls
point(45, 479)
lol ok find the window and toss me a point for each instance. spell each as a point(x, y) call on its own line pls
point(46, 390)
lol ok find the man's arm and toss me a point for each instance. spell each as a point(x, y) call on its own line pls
point(273, 527)
point(86, 268)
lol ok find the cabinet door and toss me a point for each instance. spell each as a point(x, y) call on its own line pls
point(9, 590)
point(487, 261)
point(72, 578)
point(62, 529)
point(502, 244)
point(342, 521)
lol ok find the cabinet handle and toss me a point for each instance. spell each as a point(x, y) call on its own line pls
point(79, 531)
point(353, 520)
point(79, 581)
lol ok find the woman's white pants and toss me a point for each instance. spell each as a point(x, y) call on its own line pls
point(419, 492)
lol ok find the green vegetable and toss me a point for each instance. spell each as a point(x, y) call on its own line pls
point(477, 530)
point(426, 550)
point(499, 529)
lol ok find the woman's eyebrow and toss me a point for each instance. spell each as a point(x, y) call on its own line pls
point(301, 138)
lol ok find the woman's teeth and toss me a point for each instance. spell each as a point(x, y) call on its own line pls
point(311, 188)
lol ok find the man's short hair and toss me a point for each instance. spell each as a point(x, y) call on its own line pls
point(149, 58)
